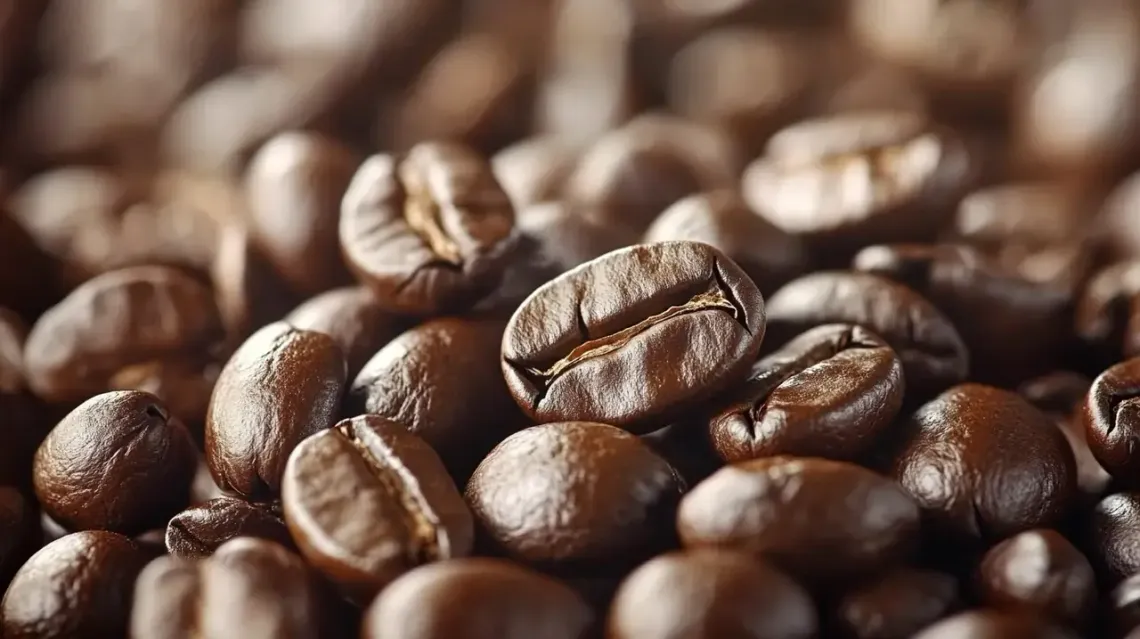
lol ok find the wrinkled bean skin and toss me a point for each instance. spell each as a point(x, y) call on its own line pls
point(367, 501)
point(249, 587)
point(828, 393)
point(706, 594)
point(984, 464)
point(430, 233)
point(119, 462)
point(769, 256)
point(823, 521)
point(581, 346)
point(1039, 572)
point(986, 624)
point(896, 605)
point(439, 380)
point(572, 525)
point(477, 599)
point(198, 531)
point(855, 179)
point(1113, 545)
point(352, 318)
point(294, 185)
point(57, 594)
point(279, 387)
point(115, 320)
point(932, 351)
point(1111, 419)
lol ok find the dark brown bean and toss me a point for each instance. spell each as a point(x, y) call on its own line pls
point(1113, 543)
point(987, 624)
point(896, 605)
point(281, 386)
point(1111, 420)
point(1039, 572)
point(197, 532)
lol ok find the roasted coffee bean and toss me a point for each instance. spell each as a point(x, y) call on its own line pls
point(1108, 312)
point(930, 348)
point(823, 521)
point(183, 385)
point(294, 185)
point(1038, 572)
point(632, 174)
point(353, 319)
point(1039, 231)
point(197, 532)
point(896, 605)
point(367, 501)
point(855, 179)
point(711, 80)
point(113, 321)
point(1113, 542)
point(281, 386)
point(533, 170)
point(721, 219)
point(250, 293)
point(120, 462)
point(77, 586)
point(477, 90)
point(20, 533)
point(984, 464)
point(439, 380)
point(568, 523)
point(429, 233)
point(988, 624)
point(828, 393)
point(566, 237)
point(1111, 419)
point(706, 594)
point(581, 346)
point(1013, 328)
point(249, 588)
point(477, 599)
point(1124, 606)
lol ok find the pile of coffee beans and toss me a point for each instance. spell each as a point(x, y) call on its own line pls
point(570, 319)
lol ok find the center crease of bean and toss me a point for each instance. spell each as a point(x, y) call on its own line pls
point(422, 214)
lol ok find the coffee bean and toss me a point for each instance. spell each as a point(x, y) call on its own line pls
point(113, 321)
point(353, 319)
point(581, 346)
point(120, 462)
point(1039, 572)
point(984, 464)
point(721, 219)
point(896, 605)
point(429, 233)
point(440, 381)
point(476, 599)
point(533, 170)
point(183, 385)
point(1037, 230)
point(707, 594)
point(856, 179)
point(1124, 606)
point(198, 531)
point(558, 518)
point(1111, 419)
point(1012, 327)
point(294, 185)
point(930, 348)
point(1113, 545)
point(828, 393)
point(987, 624)
point(823, 521)
point(281, 386)
point(1108, 312)
point(250, 293)
point(367, 501)
point(249, 587)
point(77, 586)
point(632, 174)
